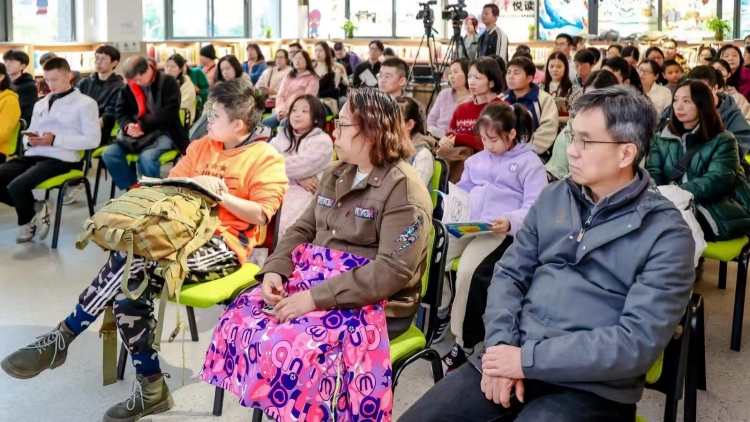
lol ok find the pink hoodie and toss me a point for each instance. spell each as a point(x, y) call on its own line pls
point(293, 87)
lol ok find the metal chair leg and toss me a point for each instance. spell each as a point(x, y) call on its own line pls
point(191, 322)
point(437, 366)
point(739, 303)
point(722, 275)
point(121, 361)
point(97, 179)
point(257, 415)
point(58, 214)
point(670, 409)
point(218, 401)
point(698, 338)
point(89, 198)
point(112, 190)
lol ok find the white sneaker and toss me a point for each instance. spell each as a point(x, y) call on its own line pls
point(41, 220)
point(72, 193)
point(26, 233)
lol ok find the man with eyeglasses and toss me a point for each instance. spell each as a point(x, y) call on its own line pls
point(564, 44)
point(589, 294)
point(392, 80)
point(372, 65)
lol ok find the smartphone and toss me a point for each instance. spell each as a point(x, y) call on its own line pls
point(270, 310)
point(475, 360)
point(33, 134)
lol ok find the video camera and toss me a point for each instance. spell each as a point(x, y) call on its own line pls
point(455, 12)
point(426, 14)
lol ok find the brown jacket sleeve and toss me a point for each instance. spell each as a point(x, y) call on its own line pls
point(404, 231)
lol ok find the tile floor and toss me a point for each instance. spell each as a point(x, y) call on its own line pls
point(39, 286)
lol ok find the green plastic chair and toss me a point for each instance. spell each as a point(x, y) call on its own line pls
point(415, 343)
point(15, 134)
point(439, 181)
point(737, 250)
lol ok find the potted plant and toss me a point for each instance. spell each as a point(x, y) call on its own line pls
point(719, 27)
point(269, 32)
point(532, 32)
point(349, 28)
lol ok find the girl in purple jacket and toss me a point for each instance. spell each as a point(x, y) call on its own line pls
point(503, 181)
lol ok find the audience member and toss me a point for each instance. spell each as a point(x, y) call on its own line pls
point(10, 113)
point(294, 48)
point(307, 150)
point(740, 78)
point(564, 44)
point(300, 81)
point(592, 366)
point(392, 77)
point(557, 83)
point(422, 160)
point(599, 58)
point(332, 75)
point(372, 66)
point(584, 62)
point(43, 88)
point(505, 193)
point(579, 44)
point(503, 67)
point(439, 120)
point(65, 122)
point(270, 80)
point(541, 105)
point(538, 74)
point(631, 55)
point(623, 70)
point(230, 68)
point(614, 50)
point(712, 170)
point(470, 41)
point(389, 53)
point(255, 64)
point(660, 95)
point(655, 53)
point(706, 55)
point(148, 112)
point(200, 81)
point(255, 185)
point(672, 72)
point(346, 59)
point(493, 40)
point(21, 82)
point(723, 72)
point(746, 41)
point(670, 53)
point(174, 68)
point(557, 166)
point(208, 62)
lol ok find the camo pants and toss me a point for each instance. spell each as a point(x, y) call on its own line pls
point(135, 318)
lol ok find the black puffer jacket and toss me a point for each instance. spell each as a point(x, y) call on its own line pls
point(25, 87)
point(105, 93)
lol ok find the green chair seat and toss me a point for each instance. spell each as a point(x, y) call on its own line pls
point(454, 267)
point(98, 152)
point(654, 373)
point(168, 156)
point(208, 294)
point(131, 158)
point(747, 158)
point(725, 250)
point(639, 418)
point(407, 343)
point(59, 180)
point(329, 118)
point(267, 115)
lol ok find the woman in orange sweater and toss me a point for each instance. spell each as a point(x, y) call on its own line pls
point(234, 162)
point(10, 112)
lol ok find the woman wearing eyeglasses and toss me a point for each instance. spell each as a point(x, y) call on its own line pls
point(318, 328)
point(661, 96)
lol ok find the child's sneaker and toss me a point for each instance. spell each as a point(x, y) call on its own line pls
point(41, 220)
point(26, 232)
point(455, 358)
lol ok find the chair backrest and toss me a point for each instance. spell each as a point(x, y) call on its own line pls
point(270, 242)
point(115, 129)
point(432, 285)
point(439, 182)
point(667, 375)
point(15, 137)
point(185, 117)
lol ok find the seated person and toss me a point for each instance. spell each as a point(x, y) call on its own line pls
point(714, 175)
point(625, 73)
point(730, 113)
point(557, 166)
point(255, 64)
point(660, 95)
point(614, 50)
point(372, 65)
point(307, 150)
point(148, 106)
point(331, 77)
point(300, 81)
point(422, 160)
point(347, 59)
point(174, 68)
point(724, 72)
point(541, 105)
point(584, 62)
point(439, 119)
point(538, 74)
point(230, 68)
point(740, 75)
point(10, 113)
point(392, 80)
point(559, 85)
point(270, 80)
point(21, 82)
point(631, 54)
point(388, 53)
point(208, 64)
point(65, 122)
point(572, 328)
point(199, 80)
point(75, 76)
point(672, 72)
point(251, 183)
point(500, 194)
point(363, 241)
point(294, 48)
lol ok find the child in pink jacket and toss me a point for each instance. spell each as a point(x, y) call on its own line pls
point(302, 80)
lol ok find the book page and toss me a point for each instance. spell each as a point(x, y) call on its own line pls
point(368, 78)
point(456, 205)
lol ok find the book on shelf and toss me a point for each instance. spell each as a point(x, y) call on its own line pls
point(80, 61)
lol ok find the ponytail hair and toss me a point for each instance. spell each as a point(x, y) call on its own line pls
point(501, 119)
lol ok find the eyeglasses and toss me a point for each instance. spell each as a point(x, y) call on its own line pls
point(644, 71)
point(210, 116)
point(337, 125)
point(581, 144)
point(385, 77)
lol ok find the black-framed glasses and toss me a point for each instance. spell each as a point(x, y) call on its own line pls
point(337, 124)
point(581, 144)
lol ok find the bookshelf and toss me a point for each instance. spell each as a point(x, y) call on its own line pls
point(190, 49)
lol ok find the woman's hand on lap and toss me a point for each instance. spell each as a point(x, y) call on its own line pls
point(310, 184)
point(272, 289)
point(294, 306)
point(447, 141)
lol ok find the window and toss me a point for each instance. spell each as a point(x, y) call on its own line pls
point(687, 20)
point(626, 19)
point(190, 18)
point(373, 18)
point(562, 16)
point(42, 21)
point(153, 20)
point(407, 24)
point(265, 19)
point(229, 18)
point(326, 19)
point(745, 18)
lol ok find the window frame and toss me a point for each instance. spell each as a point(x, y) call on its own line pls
point(6, 22)
point(210, 27)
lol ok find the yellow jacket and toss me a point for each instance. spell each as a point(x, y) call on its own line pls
point(10, 113)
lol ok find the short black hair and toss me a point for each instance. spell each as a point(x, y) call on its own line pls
point(57, 63)
point(617, 46)
point(389, 52)
point(524, 63)
point(631, 51)
point(108, 50)
point(17, 55)
point(577, 40)
point(134, 66)
point(567, 37)
point(655, 68)
point(295, 44)
point(704, 73)
point(488, 67)
point(618, 64)
point(493, 7)
point(234, 62)
point(652, 49)
point(378, 44)
point(595, 51)
point(44, 58)
point(401, 67)
point(585, 56)
point(500, 62)
point(522, 53)
point(669, 63)
point(600, 79)
point(523, 47)
point(338, 46)
point(5, 84)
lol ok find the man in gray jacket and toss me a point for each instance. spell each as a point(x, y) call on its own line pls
point(590, 292)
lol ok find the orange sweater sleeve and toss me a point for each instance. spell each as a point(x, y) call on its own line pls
point(267, 182)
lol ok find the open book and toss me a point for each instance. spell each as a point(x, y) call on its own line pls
point(457, 214)
point(183, 182)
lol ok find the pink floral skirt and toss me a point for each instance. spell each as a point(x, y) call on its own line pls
point(322, 366)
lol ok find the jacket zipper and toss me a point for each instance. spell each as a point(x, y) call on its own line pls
point(583, 229)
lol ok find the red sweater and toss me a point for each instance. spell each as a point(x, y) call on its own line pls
point(462, 124)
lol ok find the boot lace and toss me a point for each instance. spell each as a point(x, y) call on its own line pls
point(135, 397)
point(55, 338)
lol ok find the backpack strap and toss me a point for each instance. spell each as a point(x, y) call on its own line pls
point(681, 167)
